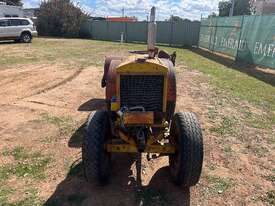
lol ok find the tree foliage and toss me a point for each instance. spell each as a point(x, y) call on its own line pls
point(213, 14)
point(13, 2)
point(175, 18)
point(224, 8)
point(241, 7)
point(60, 18)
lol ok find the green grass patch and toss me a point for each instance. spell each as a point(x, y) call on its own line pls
point(47, 139)
point(66, 125)
point(259, 121)
point(32, 198)
point(259, 150)
point(212, 114)
point(227, 126)
point(217, 185)
point(228, 151)
point(26, 164)
point(271, 140)
point(71, 52)
point(236, 82)
point(269, 197)
point(28, 198)
point(5, 191)
point(19, 153)
point(211, 166)
point(270, 178)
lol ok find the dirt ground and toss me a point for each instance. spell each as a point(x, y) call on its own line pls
point(39, 112)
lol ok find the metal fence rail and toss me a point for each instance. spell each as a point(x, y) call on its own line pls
point(249, 39)
point(185, 33)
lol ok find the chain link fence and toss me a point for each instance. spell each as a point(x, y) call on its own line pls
point(249, 39)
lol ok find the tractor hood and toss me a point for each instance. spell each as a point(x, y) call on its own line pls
point(142, 64)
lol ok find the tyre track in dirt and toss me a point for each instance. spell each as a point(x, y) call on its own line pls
point(16, 74)
point(18, 85)
point(66, 95)
point(18, 110)
point(21, 82)
point(66, 80)
point(42, 103)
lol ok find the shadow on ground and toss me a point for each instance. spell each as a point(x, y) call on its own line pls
point(93, 105)
point(88, 106)
point(123, 188)
point(248, 69)
point(9, 42)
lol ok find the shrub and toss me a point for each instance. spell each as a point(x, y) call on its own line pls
point(60, 18)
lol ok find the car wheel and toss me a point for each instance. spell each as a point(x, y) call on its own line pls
point(26, 38)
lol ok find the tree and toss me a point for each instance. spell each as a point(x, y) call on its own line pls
point(60, 18)
point(175, 18)
point(241, 7)
point(224, 8)
point(13, 2)
point(213, 14)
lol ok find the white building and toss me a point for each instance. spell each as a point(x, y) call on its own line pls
point(264, 7)
point(10, 11)
point(31, 13)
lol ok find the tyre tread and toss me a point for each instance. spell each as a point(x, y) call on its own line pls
point(191, 144)
point(92, 147)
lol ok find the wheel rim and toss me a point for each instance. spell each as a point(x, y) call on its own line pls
point(26, 38)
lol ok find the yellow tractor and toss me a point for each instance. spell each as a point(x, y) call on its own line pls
point(141, 99)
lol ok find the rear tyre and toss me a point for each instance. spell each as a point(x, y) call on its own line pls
point(26, 37)
point(186, 164)
point(96, 160)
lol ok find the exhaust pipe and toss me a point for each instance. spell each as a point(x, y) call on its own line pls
point(152, 32)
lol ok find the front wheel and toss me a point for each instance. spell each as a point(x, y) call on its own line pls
point(186, 135)
point(96, 160)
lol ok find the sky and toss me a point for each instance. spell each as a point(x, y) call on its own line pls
point(191, 9)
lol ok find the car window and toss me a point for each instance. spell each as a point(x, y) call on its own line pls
point(15, 22)
point(25, 22)
point(3, 23)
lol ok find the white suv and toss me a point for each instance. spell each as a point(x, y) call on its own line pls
point(18, 29)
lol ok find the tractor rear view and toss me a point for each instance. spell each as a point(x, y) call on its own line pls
point(141, 99)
